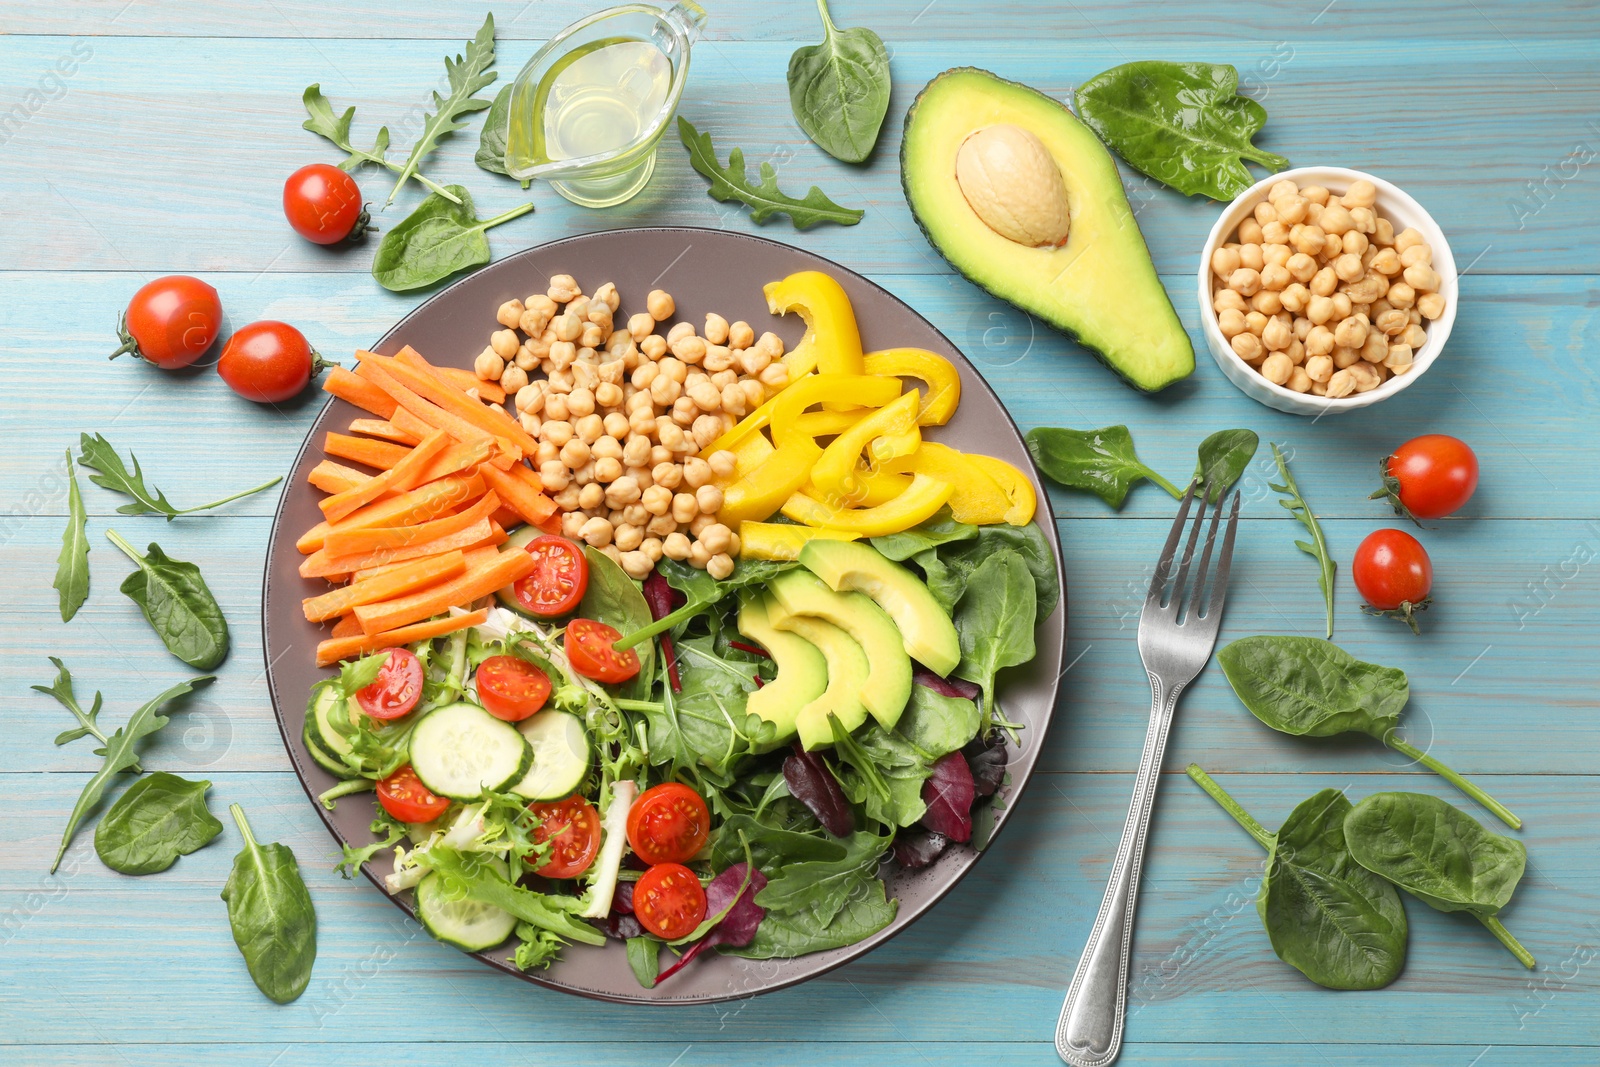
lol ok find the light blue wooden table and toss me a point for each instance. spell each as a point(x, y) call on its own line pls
point(141, 138)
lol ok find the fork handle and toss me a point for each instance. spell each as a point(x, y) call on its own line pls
point(1089, 1033)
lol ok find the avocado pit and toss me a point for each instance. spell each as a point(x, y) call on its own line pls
point(1012, 183)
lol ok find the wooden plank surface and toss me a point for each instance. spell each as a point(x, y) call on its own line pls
point(162, 151)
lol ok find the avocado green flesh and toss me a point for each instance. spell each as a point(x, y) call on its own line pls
point(926, 632)
point(802, 669)
point(888, 684)
point(847, 673)
point(1101, 286)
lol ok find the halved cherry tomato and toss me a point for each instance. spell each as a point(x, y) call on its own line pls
point(323, 204)
point(588, 645)
point(1393, 573)
point(510, 688)
point(668, 823)
point(668, 900)
point(572, 827)
point(171, 321)
point(268, 362)
point(1430, 476)
point(403, 795)
point(559, 578)
point(397, 689)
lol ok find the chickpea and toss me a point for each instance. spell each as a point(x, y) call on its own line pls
point(1302, 268)
point(690, 349)
point(1401, 295)
point(575, 453)
point(1294, 298)
point(707, 428)
point(1223, 301)
point(1264, 212)
point(526, 359)
point(754, 393)
point(530, 423)
point(1415, 336)
point(596, 531)
point(607, 395)
point(1276, 368)
point(1367, 289)
point(1276, 255)
point(1351, 332)
point(580, 402)
point(513, 378)
point(660, 305)
point(664, 390)
point(1422, 278)
point(772, 343)
point(706, 396)
point(651, 548)
point(696, 472)
point(720, 565)
point(573, 520)
point(718, 358)
point(1319, 342)
point(675, 369)
point(1302, 327)
point(1399, 358)
point(1245, 281)
point(1324, 282)
point(1335, 220)
point(667, 474)
point(1273, 277)
point(1296, 352)
point(661, 526)
point(504, 343)
point(568, 327)
point(1346, 357)
point(1355, 243)
point(563, 354)
point(698, 556)
point(657, 500)
point(675, 546)
point(733, 401)
point(684, 507)
point(1252, 256)
point(1319, 368)
point(1310, 240)
point(546, 452)
point(1224, 261)
point(1274, 234)
point(684, 412)
point(1248, 347)
point(754, 360)
point(1341, 384)
point(1367, 376)
point(593, 336)
point(716, 537)
point(1255, 322)
point(536, 318)
point(1431, 305)
point(1298, 381)
point(1319, 309)
point(1249, 232)
point(1291, 209)
point(636, 450)
point(563, 287)
point(621, 492)
point(654, 346)
point(589, 428)
point(1277, 336)
point(775, 377)
point(488, 366)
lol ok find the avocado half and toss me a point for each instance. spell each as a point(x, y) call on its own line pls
point(1100, 287)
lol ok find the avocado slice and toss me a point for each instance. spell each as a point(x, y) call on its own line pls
point(926, 632)
point(888, 684)
point(847, 673)
point(1100, 286)
point(802, 669)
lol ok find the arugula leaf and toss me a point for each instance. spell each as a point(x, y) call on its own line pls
point(177, 604)
point(443, 235)
point(995, 621)
point(72, 566)
point(1102, 461)
point(466, 77)
point(1183, 124)
point(157, 820)
point(882, 771)
point(270, 911)
point(1317, 547)
point(88, 723)
point(100, 455)
point(839, 89)
point(764, 199)
point(337, 130)
point(118, 752)
point(491, 154)
point(823, 887)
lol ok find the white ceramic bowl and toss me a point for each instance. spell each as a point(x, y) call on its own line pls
point(1394, 205)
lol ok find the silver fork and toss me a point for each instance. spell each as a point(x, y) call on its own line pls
point(1177, 630)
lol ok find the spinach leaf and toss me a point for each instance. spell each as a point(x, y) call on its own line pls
point(1327, 916)
point(1223, 457)
point(436, 240)
point(644, 957)
point(100, 455)
point(1308, 687)
point(948, 569)
point(704, 727)
point(1317, 547)
point(1440, 855)
point(1183, 124)
point(942, 529)
point(117, 750)
point(937, 724)
point(72, 565)
point(782, 935)
point(839, 89)
point(157, 820)
point(465, 77)
point(825, 886)
point(1101, 462)
point(771, 847)
point(270, 911)
point(88, 721)
point(995, 621)
point(615, 599)
point(491, 155)
point(177, 604)
point(763, 198)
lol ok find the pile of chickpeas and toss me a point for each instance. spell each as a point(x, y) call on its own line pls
point(1319, 294)
point(622, 412)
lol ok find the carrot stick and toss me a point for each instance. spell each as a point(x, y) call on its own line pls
point(493, 421)
point(425, 502)
point(355, 390)
point(406, 578)
point(374, 538)
point(335, 649)
point(384, 429)
point(508, 518)
point(347, 626)
point(474, 557)
point(504, 569)
point(531, 504)
point(322, 563)
point(403, 476)
point(379, 454)
point(528, 477)
point(467, 382)
point(404, 421)
point(424, 409)
point(333, 477)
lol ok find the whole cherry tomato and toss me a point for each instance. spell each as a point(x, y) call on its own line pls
point(268, 362)
point(1429, 477)
point(1393, 574)
point(170, 322)
point(323, 204)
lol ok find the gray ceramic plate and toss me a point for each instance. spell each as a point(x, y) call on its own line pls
point(705, 270)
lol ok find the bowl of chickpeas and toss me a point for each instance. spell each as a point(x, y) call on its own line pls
point(1324, 290)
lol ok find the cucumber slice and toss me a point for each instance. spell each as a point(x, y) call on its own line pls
point(460, 751)
point(466, 923)
point(319, 755)
point(561, 755)
point(519, 539)
point(327, 700)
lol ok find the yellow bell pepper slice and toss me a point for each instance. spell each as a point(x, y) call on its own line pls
point(834, 473)
point(944, 381)
point(976, 497)
point(748, 454)
point(829, 423)
point(832, 342)
point(757, 420)
point(770, 483)
point(891, 446)
point(850, 390)
point(1024, 501)
point(921, 499)
point(870, 489)
point(779, 540)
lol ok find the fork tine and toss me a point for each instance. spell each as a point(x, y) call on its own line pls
point(1164, 566)
point(1176, 603)
point(1197, 607)
point(1219, 584)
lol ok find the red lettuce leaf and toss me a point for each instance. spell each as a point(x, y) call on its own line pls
point(987, 761)
point(917, 850)
point(658, 594)
point(811, 783)
point(738, 926)
point(948, 687)
point(949, 793)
